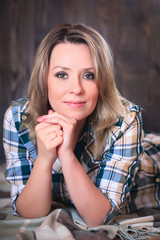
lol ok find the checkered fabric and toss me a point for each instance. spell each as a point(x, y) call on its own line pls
point(114, 174)
point(146, 190)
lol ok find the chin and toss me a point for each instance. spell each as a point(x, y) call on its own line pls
point(78, 118)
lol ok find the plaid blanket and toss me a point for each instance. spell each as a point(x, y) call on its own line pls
point(66, 224)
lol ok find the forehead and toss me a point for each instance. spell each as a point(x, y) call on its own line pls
point(71, 52)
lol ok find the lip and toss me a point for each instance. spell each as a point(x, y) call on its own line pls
point(75, 104)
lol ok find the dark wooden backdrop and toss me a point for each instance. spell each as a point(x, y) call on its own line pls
point(132, 28)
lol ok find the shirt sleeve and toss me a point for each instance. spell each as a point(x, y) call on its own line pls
point(17, 158)
point(121, 162)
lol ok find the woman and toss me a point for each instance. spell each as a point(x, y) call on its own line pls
point(74, 140)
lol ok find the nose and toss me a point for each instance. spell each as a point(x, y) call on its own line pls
point(76, 85)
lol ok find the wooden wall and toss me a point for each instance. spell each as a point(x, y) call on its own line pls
point(132, 28)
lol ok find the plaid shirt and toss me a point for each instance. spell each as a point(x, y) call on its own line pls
point(114, 174)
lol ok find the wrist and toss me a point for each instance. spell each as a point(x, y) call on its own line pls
point(43, 164)
point(66, 156)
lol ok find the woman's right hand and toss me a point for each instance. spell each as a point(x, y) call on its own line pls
point(49, 137)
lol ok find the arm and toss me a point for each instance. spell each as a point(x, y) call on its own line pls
point(116, 175)
point(91, 204)
point(15, 153)
point(121, 161)
point(35, 199)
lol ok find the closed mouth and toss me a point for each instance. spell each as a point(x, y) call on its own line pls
point(75, 103)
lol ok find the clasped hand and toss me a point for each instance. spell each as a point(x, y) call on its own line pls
point(54, 134)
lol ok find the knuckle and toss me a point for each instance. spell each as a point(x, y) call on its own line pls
point(36, 127)
point(57, 127)
point(74, 121)
point(59, 132)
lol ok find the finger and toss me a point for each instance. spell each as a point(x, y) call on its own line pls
point(59, 133)
point(66, 127)
point(54, 143)
point(61, 121)
point(46, 137)
point(44, 125)
point(55, 134)
point(46, 118)
point(47, 128)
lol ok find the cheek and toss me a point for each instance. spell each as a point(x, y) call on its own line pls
point(94, 95)
point(52, 96)
point(94, 92)
point(54, 92)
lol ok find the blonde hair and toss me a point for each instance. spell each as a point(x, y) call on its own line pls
point(109, 106)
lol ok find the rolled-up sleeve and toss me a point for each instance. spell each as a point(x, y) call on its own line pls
point(121, 161)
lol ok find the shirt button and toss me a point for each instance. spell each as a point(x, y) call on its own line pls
point(24, 117)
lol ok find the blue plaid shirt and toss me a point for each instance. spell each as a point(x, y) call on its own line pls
point(113, 174)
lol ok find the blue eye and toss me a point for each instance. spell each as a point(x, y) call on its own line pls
point(62, 75)
point(88, 75)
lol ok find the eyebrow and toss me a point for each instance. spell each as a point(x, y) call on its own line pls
point(67, 68)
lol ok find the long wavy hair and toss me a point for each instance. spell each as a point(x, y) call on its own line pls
point(110, 103)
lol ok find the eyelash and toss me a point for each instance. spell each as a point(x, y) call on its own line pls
point(64, 75)
point(61, 75)
point(90, 75)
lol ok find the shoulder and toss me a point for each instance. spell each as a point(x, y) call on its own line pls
point(14, 115)
point(20, 105)
point(132, 109)
point(128, 130)
point(131, 118)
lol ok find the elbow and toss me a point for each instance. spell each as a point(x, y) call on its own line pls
point(92, 225)
point(97, 218)
point(94, 221)
point(32, 215)
point(27, 212)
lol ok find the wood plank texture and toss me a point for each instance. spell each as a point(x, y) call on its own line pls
point(131, 27)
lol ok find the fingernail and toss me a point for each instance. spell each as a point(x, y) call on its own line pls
point(39, 118)
point(50, 111)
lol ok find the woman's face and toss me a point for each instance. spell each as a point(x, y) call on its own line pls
point(72, 89)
